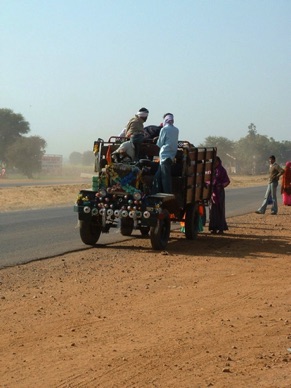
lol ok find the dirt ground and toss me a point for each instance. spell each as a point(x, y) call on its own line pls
point(214, 312)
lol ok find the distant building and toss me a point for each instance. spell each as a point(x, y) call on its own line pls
point(52, 164)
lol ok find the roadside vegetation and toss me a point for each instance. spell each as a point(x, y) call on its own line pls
point(21, 155)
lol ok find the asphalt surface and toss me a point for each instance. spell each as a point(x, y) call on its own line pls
point(37, 234)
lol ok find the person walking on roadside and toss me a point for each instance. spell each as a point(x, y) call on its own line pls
point(217, 220)
point(275, 171)
point(134, 130)
point(168, 143)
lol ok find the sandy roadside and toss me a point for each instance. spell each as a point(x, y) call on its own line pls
point(214, 312)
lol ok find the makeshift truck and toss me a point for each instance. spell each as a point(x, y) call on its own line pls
point(121, 194)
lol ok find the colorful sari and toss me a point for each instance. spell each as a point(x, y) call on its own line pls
point(217, 221)
point(286, 185)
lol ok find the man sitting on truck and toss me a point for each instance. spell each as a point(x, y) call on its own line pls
point(135, 130)
point(124, 153)
point(168, 143)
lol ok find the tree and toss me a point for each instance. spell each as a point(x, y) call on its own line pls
point(250, 154)
point(225, 148)
point(26, 153)
point(88, 158)
point(75, 158)
point(253, 151)
point(252, 129)
point(284, 152)
point(12, 127)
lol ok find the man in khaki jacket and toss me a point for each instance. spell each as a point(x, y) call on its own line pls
point(134, 130)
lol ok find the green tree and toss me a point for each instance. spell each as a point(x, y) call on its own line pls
point(88, 158)
point(225, 148)
point(26, 153)
point(12, 127)
point(253, 151)
point(75, 158)
point(284, 153)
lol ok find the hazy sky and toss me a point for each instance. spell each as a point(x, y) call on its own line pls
point(80, 69)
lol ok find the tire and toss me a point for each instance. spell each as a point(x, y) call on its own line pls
point(191, 222)
point(160, 233)
point(144, 230)
point(89, 232)
point(126, 226)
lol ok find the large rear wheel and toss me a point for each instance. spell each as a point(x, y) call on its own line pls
point(191, 222)
point(89, 231)
point(126, 226)
point(160, 233)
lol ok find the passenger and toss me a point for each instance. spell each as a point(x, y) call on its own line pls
point(122, 133)
point(151, 132)
point(124, 153)
point(135, 130)
point(168, 143)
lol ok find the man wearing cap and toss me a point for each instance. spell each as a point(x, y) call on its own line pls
point(135, 131)
point(168, 143)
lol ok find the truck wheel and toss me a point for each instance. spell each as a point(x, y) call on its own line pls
point(89, 232)
point(160, 233)
point(126, 226)
point(191, 222)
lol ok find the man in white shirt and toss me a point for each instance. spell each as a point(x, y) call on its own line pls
point(168, 143)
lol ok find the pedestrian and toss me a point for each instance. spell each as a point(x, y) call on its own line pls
point(275, 171)
point(217, 220)
point(168, 143)
point(135, 131)
point(286, 185)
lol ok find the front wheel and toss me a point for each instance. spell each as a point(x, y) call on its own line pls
point(160, 233)
point(191, 222)
point(89, 232)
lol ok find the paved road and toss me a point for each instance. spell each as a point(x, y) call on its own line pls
point(37, 234)
point(244, 200)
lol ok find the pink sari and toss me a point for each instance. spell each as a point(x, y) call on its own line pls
point(286, 185)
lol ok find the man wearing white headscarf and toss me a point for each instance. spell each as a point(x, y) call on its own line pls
point(125, 152)
point(168, 143)
point(134, 129)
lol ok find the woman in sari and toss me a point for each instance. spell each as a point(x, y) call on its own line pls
point(286, 185)
point(217, 221)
